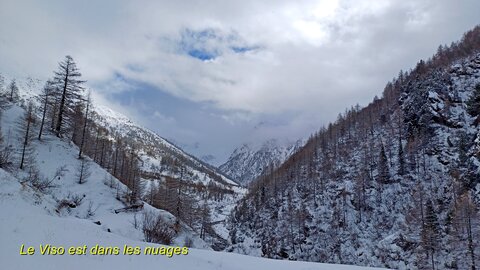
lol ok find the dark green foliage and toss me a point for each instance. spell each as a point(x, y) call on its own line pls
point(463, 146)
point(473, 104)
point(383, 172)
point(431, 228)
point(431, 232)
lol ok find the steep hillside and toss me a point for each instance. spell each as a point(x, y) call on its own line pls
point(154, 149)
point(168, 178)
point(249, 161)
point(395, 184)
point(167, 169)
point(51, 183)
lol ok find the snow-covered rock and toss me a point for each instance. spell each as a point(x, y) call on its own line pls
point(251, 160)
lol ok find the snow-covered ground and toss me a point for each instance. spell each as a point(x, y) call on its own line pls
point(24, 220)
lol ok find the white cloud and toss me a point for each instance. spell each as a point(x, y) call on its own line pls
point(311, 57)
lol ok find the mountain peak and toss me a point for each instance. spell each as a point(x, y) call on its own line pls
point(250, 159)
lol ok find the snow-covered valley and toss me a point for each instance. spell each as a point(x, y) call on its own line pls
point(33, 218)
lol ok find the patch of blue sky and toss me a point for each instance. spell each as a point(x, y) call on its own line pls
point(200, 44)
point(202, 54)
point(209, 44)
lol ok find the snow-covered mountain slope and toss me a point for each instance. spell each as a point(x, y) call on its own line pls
point(95, 200)
point(395, 184)
point(249, 160)
point(26, 218)
point(161, 162)
point(154, 148)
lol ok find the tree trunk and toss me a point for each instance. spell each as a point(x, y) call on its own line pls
point(43, 118)
point(470, 237)
point(115, 162)
point(83, 132)
point(54, 112)
point(25, 142)
point(433, 262)
point(62, 104)
point(82, 167)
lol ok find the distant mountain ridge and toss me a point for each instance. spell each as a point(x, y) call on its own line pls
point(249, 161)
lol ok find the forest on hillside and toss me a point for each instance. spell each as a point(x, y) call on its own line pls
point(152, 170)
point(395, 184)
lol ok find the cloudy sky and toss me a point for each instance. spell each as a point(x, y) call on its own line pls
point(210, 75)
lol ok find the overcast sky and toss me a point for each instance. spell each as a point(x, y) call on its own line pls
point(211, 75)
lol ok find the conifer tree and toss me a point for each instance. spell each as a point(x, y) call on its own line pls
point(13, 91)
point(430, 232)
point(45, 100)
point(85, 124)
point(401, 158)
point(473, 104)
point(77, 121)
point(70, 86)
point(463, 146)
point(383, 173)
point(26, 130)
point(468, 226)
point(204, 216)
